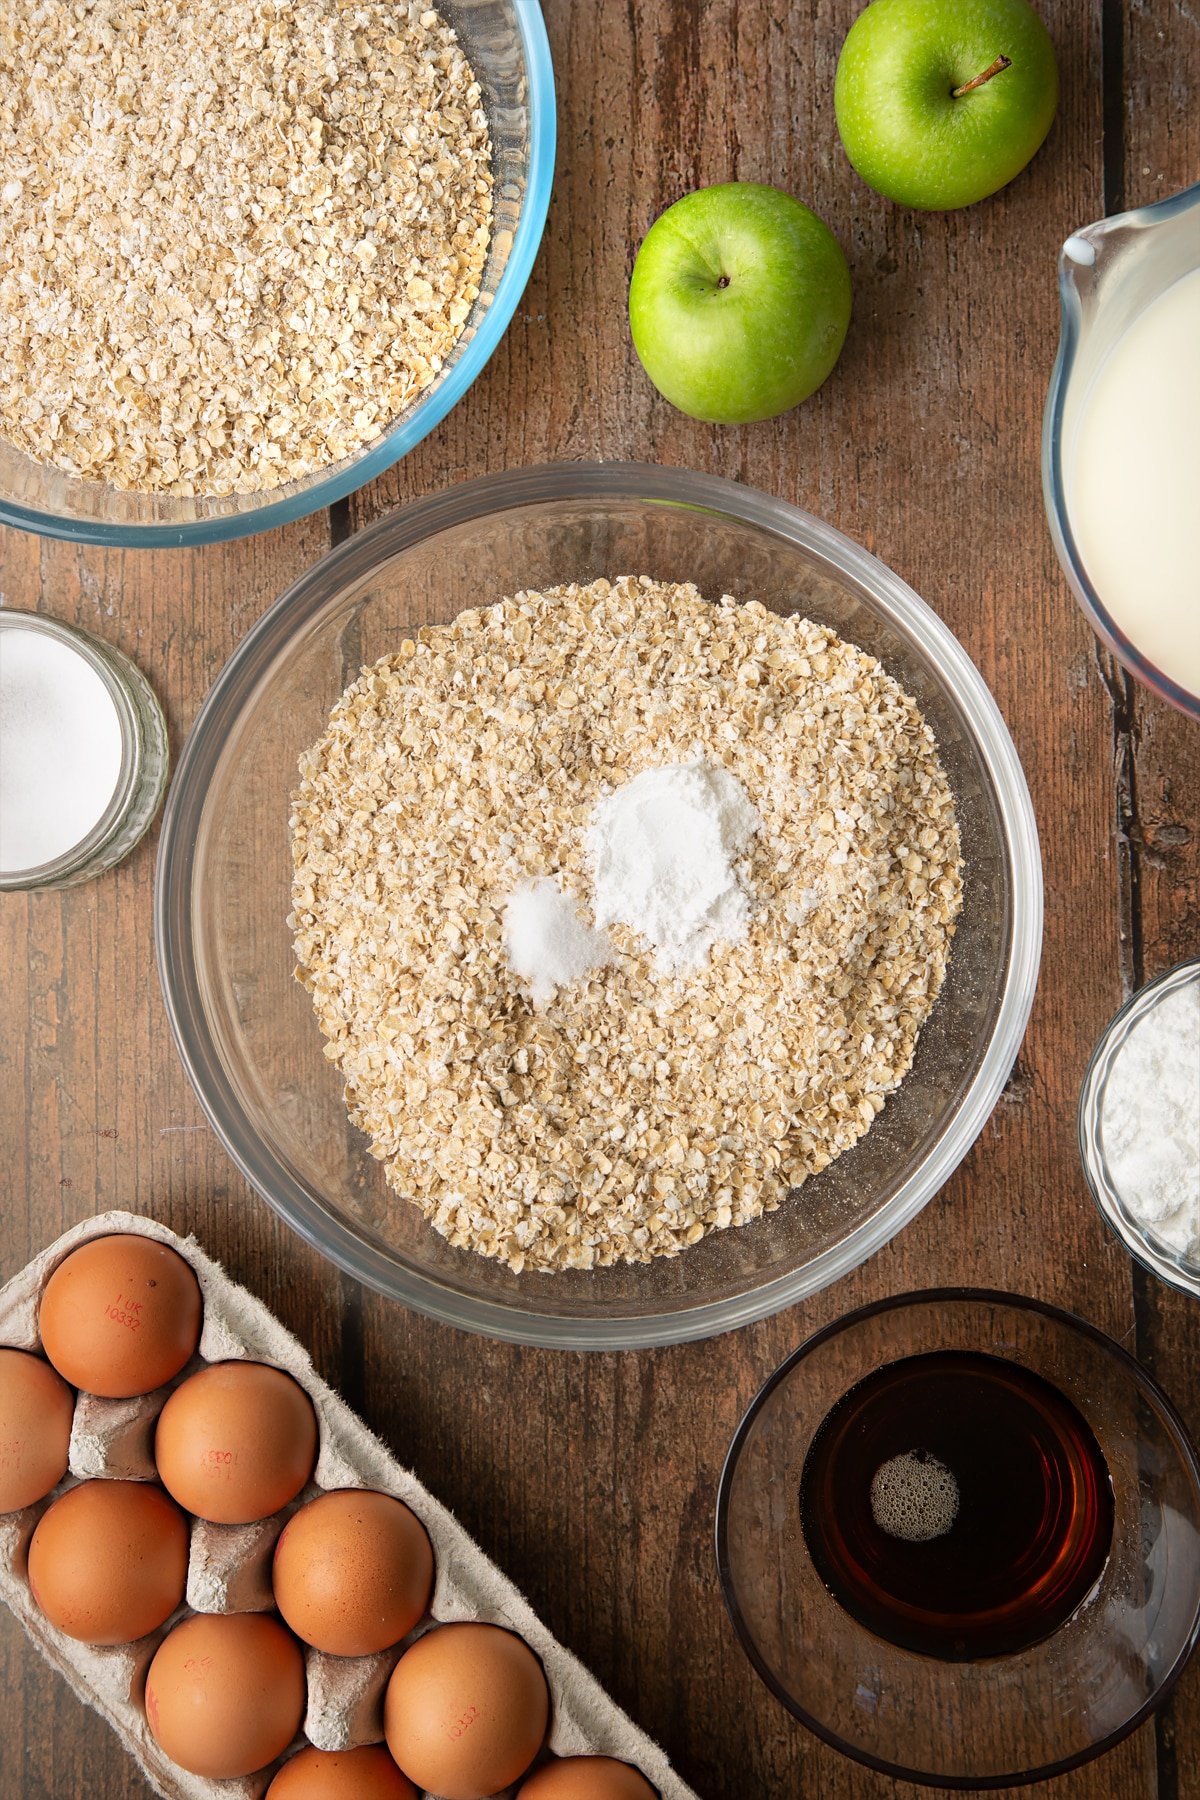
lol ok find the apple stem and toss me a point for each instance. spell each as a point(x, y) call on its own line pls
point(997, 68)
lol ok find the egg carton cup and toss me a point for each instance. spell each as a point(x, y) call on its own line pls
point(229, 1566)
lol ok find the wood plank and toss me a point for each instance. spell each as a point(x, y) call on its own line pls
point(1160, 751)
point(96, 1109)
point(925, 446)
point(592, 1479)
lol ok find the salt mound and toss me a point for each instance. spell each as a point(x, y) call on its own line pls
point(547, 942)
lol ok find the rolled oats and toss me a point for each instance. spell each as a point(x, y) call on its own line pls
point(632, 1114)
point(236, 239)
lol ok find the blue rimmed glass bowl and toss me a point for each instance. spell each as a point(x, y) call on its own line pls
point(509, 51)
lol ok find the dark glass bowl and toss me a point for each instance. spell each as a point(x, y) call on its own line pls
point(1005, 1720)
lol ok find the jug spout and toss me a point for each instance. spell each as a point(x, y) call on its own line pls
point(1128, 258)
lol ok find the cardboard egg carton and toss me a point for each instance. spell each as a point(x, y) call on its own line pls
point(230, 1565)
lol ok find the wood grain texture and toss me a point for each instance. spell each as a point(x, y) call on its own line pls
point(1158, 751)
point(592, 1479)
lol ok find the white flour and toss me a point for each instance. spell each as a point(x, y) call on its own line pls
point(548, 944)
point(664, 849)
point(1150, 1120)
point(60, 747)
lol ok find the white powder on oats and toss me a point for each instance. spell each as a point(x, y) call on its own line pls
point(547, 943)
point(664, 850)
point(1150, 1120)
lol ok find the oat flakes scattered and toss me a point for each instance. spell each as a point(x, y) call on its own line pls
point(236, 239)
point(633, 1114)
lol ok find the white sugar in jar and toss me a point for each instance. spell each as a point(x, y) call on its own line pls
point(1139, 1125)
point(83, 753)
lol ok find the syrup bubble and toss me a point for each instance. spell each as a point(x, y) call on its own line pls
point(914, 1497)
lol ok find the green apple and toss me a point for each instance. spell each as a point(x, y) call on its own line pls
point(739, 303)
point(941, 102)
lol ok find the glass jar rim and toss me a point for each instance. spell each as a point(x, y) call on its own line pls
point(115, 672)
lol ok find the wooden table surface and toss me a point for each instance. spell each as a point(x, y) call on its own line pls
point(592, 1479)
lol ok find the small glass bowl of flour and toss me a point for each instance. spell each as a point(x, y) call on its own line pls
point(1139, 1125)
point(83, 753)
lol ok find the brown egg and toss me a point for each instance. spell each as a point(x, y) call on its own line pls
point(108, 1561)
point(353, 1572)
point(236, 1441)
point(587, 1778)
point(225, 1693)
point(36, 1410)
point(120, 1316)
point(366, 1774)
point(466, 1710)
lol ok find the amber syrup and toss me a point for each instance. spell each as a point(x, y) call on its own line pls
point(958, 1505)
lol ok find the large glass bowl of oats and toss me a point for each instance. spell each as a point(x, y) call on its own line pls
point(608, 1146)
point(252, 256)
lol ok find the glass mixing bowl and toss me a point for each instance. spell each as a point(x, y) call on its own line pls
point(509, 51)
point(245, 1027)
point(1001, 1720)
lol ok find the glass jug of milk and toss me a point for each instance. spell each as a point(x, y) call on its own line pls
point(1121, 445)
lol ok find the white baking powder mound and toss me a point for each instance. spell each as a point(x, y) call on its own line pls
point(1150, 1120)
point(60, 748)
point(664, 850)
point(547, 943)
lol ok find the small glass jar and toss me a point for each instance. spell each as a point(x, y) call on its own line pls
point(144, 761)
point(1161, 1258)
